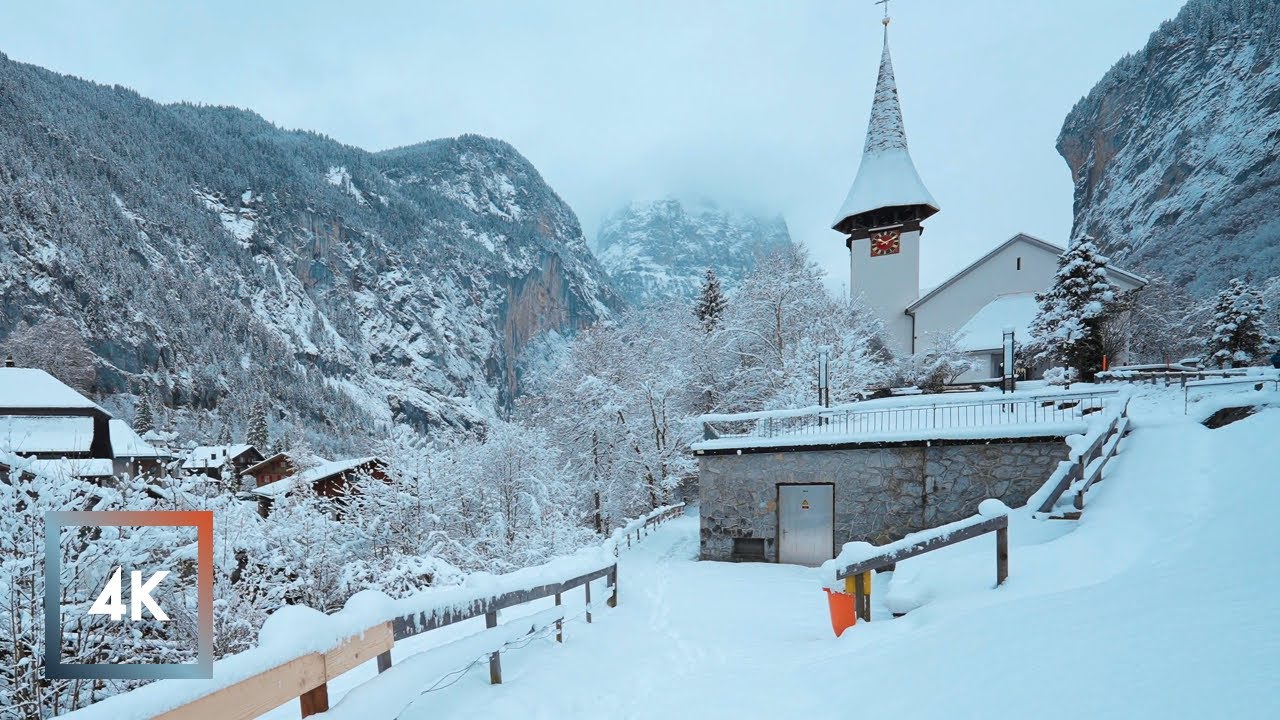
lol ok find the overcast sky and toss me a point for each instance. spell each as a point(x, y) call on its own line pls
point(761, 104)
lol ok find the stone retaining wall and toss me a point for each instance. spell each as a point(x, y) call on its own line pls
point(881, 493)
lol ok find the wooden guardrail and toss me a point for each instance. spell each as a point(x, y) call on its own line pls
point(1083, 472)
point(937, 538)
point(651, 522)
point(306, 676)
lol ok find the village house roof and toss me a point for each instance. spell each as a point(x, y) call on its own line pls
point(257, 467)
point(22, 388)
point(313, 475)
point(1023, 238)
point(886, 176)
point(41, 415)
point(126, 443)
point(212, 457)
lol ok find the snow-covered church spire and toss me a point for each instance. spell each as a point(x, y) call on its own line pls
point(885, 130)
point(887, 178)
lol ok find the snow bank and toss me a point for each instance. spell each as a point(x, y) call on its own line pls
point(294, 630)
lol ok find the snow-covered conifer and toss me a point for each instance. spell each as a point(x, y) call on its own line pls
point(257, 432)
point(144, 420)
point(1237, 331)
point(711, 302)
point(1069, 328)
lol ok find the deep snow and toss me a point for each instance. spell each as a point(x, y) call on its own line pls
point(1161, 602)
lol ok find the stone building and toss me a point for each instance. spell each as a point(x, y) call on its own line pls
point(761, 500)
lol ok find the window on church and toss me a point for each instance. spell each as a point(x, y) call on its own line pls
point(1019, 263)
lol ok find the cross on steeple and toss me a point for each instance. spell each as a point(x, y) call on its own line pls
point(885, 3)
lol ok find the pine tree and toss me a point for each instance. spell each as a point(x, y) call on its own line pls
point(711, 302)
point(1237, 335)
point(144, 421)
point(224, 436)
point(1069, 329)
point(257, 433)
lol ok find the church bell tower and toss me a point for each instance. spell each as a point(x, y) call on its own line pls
point(882, 215)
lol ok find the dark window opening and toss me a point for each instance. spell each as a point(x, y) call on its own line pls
point(748, 550)
point(1019, 263)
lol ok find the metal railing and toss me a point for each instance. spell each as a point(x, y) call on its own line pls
point(852, 420)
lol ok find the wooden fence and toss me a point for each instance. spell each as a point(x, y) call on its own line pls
point(940, 537)
point(306, 677)
point(1084, 471)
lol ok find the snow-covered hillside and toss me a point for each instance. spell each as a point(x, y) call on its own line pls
point(659, 250)
point(1176, 152)
point(210, 258)
point(1160, 602)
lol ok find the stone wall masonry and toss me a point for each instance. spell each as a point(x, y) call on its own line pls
point(881, 493)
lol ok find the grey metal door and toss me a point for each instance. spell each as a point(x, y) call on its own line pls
point(805, 524)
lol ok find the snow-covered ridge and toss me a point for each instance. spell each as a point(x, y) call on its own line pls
point(661, 250)
point(1174, 152)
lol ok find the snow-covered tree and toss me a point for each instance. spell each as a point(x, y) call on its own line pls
point(257, 432)
point(1160, 322)
point(711, 301)
point(144, 420)
point(1069, 328)
point(56, 346)
point(931, 370)
point(1237, 335)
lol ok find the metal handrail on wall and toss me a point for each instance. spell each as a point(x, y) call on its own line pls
point(997, 411)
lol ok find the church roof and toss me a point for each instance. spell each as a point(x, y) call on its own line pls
point(886, 175)
point(1023, 238)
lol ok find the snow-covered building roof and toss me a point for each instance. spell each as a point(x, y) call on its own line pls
point(886, 177)
point(126, 443)
point(34, 388)
point(29, 434)
point(213, 457)
point(985, 330)
point(313, 475)
point(71, 467)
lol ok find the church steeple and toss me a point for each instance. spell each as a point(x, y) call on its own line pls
point(887, 189)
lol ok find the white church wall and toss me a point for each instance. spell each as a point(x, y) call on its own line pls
point(1019, 267)
point(888, 284)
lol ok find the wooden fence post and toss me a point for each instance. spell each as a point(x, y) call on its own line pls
point(495, 657)
point(559, 623)
point(384, 661)
point(1002, 555)
point(315, 700)
point(587, 585)
point(613, 578)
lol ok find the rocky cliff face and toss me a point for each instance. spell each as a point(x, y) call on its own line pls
point(662, 249)
point(1176, 152)
point(211, 258)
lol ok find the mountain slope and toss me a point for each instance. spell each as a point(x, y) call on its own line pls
point(1175, 152)
point(658, 250)
point(211, 258)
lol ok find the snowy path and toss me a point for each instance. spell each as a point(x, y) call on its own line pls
point(1164, 601)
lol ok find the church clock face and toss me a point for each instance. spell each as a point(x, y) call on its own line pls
point(886, 242)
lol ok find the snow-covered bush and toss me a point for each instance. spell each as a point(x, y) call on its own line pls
point(1061, 376)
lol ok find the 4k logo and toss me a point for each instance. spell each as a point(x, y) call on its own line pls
point(140, 603)
point(111, 601)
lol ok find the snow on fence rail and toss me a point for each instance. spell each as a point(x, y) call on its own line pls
point(1087, 460)
point(857, 559)
point(300, 649)
point(938, 413)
